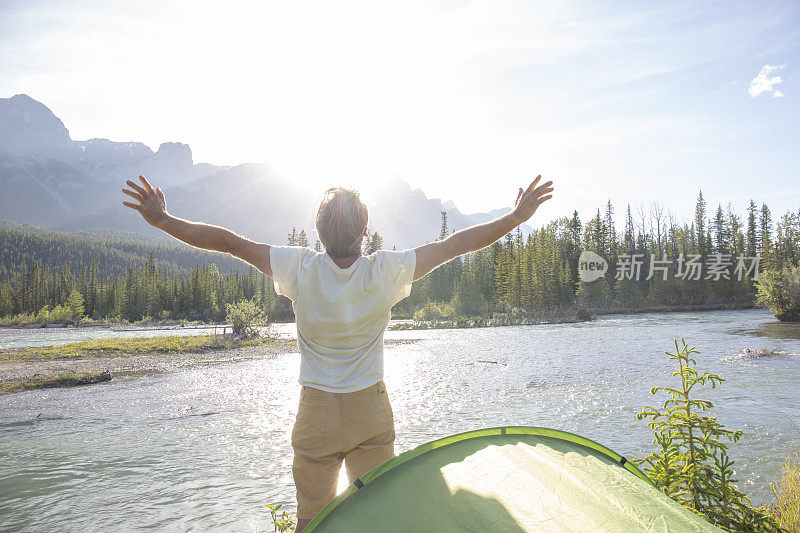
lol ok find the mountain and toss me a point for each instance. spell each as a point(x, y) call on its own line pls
point(50, 180)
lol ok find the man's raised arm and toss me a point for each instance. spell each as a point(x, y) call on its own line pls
point(431, 255)
point(153, 207)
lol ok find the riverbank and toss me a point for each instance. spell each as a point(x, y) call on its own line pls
point(115, 325)
point(545, 316)
point(64, 379)
point(554, 316)
point(83, 362)
point(675, 309)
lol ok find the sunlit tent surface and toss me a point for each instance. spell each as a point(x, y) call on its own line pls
point(508, 479)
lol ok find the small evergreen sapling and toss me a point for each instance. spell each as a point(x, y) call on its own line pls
point(691, 464)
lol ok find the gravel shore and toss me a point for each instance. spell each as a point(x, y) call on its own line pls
point(137, 364)
point(142, 364)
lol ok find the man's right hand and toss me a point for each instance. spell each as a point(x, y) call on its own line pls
point(529, 200)
point(152, 204)
point(433, 254)
point(153, 207)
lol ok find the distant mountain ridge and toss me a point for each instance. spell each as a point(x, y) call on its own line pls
point(50, 180)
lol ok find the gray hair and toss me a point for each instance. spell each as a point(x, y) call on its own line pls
point(341, 220)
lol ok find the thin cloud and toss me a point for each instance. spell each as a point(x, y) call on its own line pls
point(766, 82)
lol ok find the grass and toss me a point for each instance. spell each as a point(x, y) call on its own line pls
point(64, 379)
point(133, 346)
point(786, 507)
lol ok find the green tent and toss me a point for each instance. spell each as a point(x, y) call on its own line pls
point(509, 479)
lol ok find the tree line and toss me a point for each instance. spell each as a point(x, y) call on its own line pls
point(521, 276)
point(145, 292)
point(532, 276)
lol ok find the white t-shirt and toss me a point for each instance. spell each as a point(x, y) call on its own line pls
point(341, 313)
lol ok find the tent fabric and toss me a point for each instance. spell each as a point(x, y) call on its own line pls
point(510, 479)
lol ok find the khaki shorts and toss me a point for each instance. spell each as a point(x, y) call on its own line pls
point(354, 427)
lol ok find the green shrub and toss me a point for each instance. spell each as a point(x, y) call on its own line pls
point(786, 507)
point(779, 290)
point(691, 464)
point(60, 313)
point(518, 314)
point(245, 318)
point(434, 311)
point(43, 316)
point(18, 320)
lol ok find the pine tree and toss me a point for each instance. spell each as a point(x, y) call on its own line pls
point(720, 232)
point(752, 232)
point(302, 239)
point(765, 235)
point(373, 244)
point(630, 234)
point(611, 232)
point(700, 226)
point(75, 305)
point(91, 297)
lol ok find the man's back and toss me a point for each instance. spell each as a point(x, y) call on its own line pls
point(341, 313)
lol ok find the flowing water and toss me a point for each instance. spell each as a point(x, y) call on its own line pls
point(204, 448)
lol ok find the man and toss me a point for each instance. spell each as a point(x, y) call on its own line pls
point(342, 302)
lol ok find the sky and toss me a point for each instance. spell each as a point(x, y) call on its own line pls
point(636, 102)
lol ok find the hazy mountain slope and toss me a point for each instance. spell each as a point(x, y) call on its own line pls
point(50, 180)
point(114, 252)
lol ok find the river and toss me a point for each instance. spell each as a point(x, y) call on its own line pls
point(206, 447)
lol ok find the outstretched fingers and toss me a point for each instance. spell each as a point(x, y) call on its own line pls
point(543, 189)
point(138, 188)
point(133, 206)
point(135, 196)
point(146, 184)
point(529, 200)
point(533, 183)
